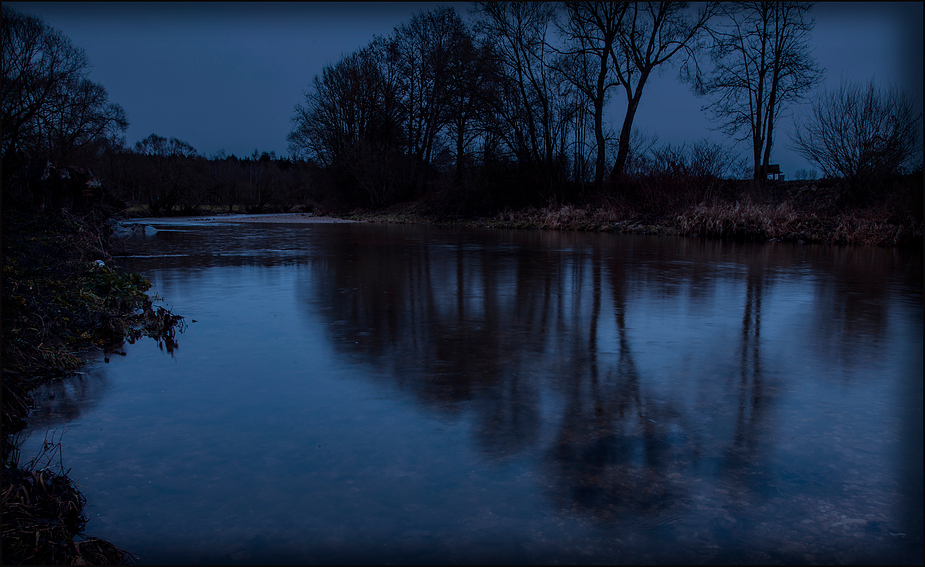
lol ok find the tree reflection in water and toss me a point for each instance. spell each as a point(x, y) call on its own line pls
point(515, 334)
point(727, 400)
point(613, 454)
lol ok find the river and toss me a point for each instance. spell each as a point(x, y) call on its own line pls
point(351, 393)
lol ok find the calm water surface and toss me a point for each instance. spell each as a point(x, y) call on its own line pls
point(368, 393)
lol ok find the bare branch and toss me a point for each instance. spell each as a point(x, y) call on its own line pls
point(762, 64)
point(862, 134)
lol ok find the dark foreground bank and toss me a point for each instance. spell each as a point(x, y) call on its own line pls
point(61, 295)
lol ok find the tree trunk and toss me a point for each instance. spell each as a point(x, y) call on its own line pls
point(599, 126)
point(768, 142)
point(623, 149)
point(460, 148)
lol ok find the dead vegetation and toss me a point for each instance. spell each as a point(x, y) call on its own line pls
point(811, 212)
point(43, 517)
point(796, 211)
point(61, 294)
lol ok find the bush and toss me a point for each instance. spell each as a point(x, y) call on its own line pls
point(865, 135)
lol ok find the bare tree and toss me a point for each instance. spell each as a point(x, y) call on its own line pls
point(49, 107)
point(352, 104)
point(473, 84)
point(351, 123)
point(428, 51)
point(762, 64)
point(652, 34)
point(591, 31)
point(80, 120)
point(862, 134)
point(533, 105)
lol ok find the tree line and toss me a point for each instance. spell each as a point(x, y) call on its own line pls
point(505, 110)
point(168, 176)
point(509, 109)
point(61, 136)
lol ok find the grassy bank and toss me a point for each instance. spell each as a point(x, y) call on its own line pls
point(807, 212)
point(61, 294)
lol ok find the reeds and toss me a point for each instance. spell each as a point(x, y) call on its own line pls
point(741, 221)
point(556, 217)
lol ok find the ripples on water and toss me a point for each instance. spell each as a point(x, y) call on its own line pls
point(356, 392)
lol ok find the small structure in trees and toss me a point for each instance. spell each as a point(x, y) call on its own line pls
point(773, 172)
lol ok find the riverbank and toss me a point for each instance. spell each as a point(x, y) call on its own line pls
point(61, 294)
point(800, 212)
point(285, 218)
point(819, 211)
point(748, 221)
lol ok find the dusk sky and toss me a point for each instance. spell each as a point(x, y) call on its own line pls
point(226, 76)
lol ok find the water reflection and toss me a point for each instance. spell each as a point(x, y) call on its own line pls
point(750, 411)
point(618, 448)
point(63, 401)
point(667, 399)
point(494, 326)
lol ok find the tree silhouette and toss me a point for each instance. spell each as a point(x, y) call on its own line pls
point(534, 107)
point(473, 84)
point(591, 31)
point(862, 134)
point(426, 48)
point(50, 109)
point(351, 123)
point(652, 34)
point(167, 172)
point(762, 63)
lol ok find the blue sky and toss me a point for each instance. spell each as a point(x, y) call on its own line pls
point(226, 76)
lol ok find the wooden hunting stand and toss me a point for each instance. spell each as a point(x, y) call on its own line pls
point(773, 172)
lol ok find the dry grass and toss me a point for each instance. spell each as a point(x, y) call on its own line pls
point(752, 219)
point(566, 217)
point(42, 515)
point(743, 221)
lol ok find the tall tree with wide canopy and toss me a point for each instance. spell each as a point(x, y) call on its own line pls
point(351, 122)
point(351, 108)
point(433, 50)
point(534, 106)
